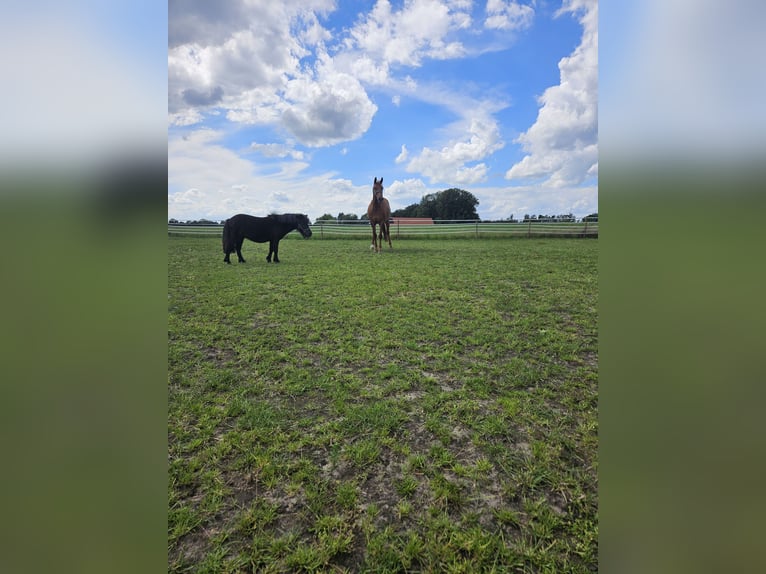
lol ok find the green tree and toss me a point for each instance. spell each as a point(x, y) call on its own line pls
point(451, 203)
point(456, 203)
point(409, 211)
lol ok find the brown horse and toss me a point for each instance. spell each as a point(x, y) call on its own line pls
point(379, 213)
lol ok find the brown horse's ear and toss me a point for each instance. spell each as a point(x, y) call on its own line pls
point(381, 181)
point(375, 180)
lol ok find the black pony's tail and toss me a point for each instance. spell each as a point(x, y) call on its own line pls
point(228, 238)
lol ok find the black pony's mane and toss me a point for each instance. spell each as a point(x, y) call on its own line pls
point(286, 217)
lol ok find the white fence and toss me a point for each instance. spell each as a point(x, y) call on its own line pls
point(333, 229)
point(183, 229)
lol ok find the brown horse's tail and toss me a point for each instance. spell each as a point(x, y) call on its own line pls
point(228, 238)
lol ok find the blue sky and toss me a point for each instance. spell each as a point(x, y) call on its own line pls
point(296, 106)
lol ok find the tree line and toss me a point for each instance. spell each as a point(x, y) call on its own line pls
point(174, 221)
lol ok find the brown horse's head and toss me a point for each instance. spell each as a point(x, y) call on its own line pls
point(377, 189)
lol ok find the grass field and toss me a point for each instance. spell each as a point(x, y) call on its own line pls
point(429, 409)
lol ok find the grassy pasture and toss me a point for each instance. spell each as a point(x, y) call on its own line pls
point(432, 408)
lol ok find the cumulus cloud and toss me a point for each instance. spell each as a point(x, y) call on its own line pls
point(334, 109)
point(562, 144)
point(448, 164)
point(247, 62)
point(200, 21)
point(195, 97)
point(508, 15)
point(247, 69)
point(403, 155)
point(420, 29)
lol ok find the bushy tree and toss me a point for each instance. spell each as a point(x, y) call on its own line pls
point(409, 211)
point(451, 203)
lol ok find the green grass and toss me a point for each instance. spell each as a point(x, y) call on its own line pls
point(432, 408)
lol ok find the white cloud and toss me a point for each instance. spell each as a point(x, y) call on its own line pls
point(502, 202)
point(396, 100)
point(403, 193)
point(419, 30)
point(248, 62)
point(332, 109)
point(185, 118)
point(205, 179)
point(562, 144)
point(277, 150)
point(402, 157)
point(508, 15)
point(448, 164)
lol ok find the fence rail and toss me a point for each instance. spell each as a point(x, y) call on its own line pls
point(328, 229)
point(182, 229)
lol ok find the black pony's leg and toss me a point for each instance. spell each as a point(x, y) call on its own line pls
point(239, 250)
point(276, 251)
point(226, 259)
point(271, 250)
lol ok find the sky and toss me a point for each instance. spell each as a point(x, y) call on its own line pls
point(296, 106)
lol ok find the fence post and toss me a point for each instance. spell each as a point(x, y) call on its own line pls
point(477, 229)
point(585, 232)
point(529, 229)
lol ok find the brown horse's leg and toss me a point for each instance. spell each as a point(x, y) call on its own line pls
point(374, 238)
point(388, 234)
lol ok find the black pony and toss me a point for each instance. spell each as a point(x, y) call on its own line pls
point(261, 229)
